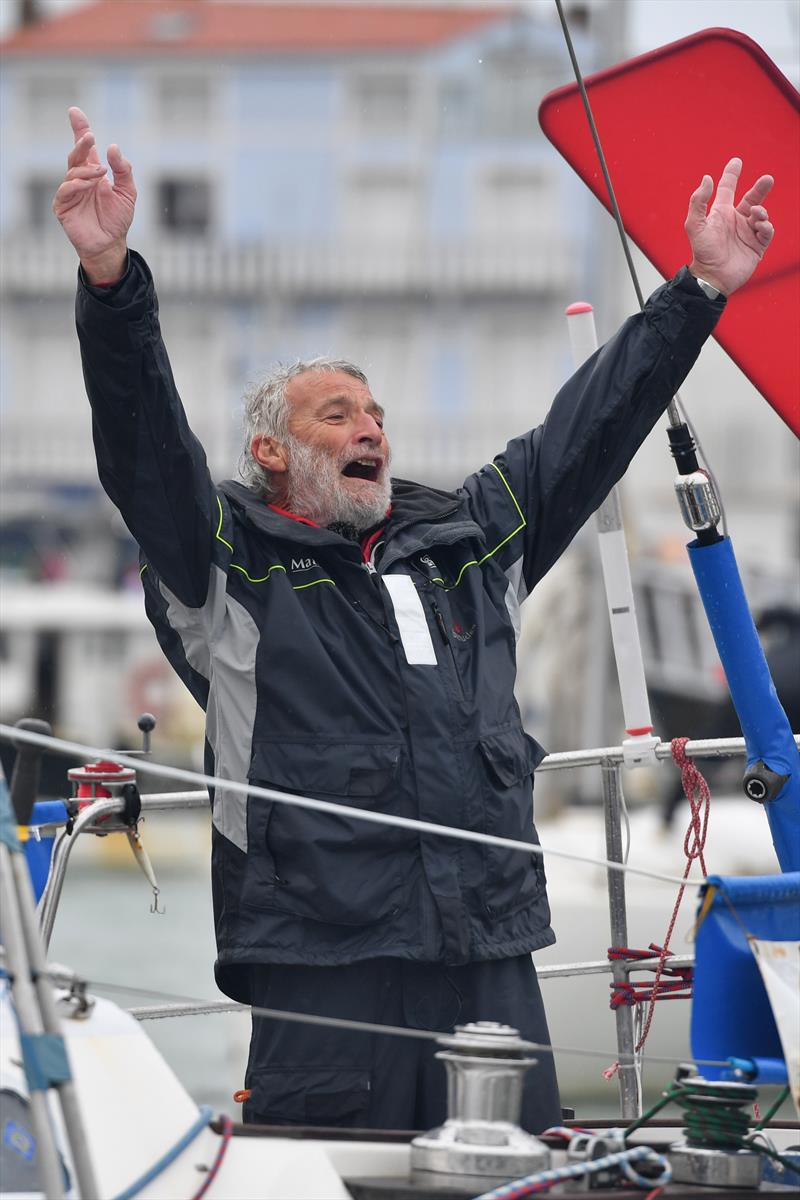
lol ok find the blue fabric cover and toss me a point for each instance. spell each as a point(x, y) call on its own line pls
point(39, 851)
point(731, 1014)
point(764, 723)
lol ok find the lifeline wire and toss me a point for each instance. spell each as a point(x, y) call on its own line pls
point(142, 1014)
point(61, 746)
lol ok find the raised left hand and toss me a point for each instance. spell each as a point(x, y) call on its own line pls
point(728, 243)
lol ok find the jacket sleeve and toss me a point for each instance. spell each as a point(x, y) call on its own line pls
point(535, 496)
point(149, 461)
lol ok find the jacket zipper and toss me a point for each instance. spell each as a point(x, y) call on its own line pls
point(442, 627)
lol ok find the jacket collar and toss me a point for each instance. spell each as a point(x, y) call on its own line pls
point(412, 503)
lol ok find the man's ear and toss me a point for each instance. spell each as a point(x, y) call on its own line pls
point(269, 453)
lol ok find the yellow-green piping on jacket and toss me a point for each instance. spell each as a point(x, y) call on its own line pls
point(478, 562)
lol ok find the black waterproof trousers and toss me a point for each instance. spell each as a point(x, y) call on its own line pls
point(311, 1075)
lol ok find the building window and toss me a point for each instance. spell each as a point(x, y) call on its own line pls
point(38, 193)
point(183, 102)
point(382, 104)
point(512, 90)
point(512, 202)
point(184, 205)
point(456, 110)
point(384, 203)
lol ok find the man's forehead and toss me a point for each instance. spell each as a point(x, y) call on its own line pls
point(319, 387)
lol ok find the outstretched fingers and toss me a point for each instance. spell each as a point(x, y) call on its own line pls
point(120, 166)
point(755, 195)
point(86, 170)
point(698, 205)
point(79, 122)
point(762, 227)
point(81, 152)
point(121, 170)
point(69, 193)
point(729, 179)
point(84, 149)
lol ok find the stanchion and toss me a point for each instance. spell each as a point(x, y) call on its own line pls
point(629, 1097)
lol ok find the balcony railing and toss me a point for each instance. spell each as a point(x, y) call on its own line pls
point(541, 262)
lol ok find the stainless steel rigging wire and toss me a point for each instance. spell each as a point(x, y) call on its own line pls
point(62, 746)
point(676, 410)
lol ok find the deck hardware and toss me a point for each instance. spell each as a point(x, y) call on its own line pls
point(761, 783)
point(481, 1138)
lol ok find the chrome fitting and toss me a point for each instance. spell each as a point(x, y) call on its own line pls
point(587, 1148)
point(698, 501)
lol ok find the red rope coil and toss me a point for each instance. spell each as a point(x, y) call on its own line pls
point(679, 986)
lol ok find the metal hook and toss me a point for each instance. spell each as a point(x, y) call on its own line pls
point(154, 906)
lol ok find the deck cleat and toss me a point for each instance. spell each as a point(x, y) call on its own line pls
point(481, 1138)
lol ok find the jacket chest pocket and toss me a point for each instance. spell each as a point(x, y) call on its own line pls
point(318, 865)
point(507, 760)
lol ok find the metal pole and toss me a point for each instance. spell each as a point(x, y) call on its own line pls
point(618, 918)
point(30, 1023)
point(67, 1094)
point(58, 867)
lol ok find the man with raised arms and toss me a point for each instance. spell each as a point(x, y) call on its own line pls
point(352, 637)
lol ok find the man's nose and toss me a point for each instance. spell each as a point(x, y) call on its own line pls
point(368, 429)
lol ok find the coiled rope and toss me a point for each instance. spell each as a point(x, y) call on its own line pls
point(716, 1116)
point(624, 1160)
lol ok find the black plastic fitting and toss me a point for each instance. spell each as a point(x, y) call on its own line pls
point(761, 783)
point(681, 446)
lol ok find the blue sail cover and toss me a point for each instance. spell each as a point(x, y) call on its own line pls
point(731, 1014)
point(765, 725)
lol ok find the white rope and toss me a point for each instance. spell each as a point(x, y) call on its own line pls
point(61, 746)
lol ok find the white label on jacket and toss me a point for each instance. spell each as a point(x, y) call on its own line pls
point(410, 617)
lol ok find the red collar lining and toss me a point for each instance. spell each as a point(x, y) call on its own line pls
point(285, 512)
point(369, 542)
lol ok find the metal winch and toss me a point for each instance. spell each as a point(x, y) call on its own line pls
point(723, 1162)
point(486, 1064)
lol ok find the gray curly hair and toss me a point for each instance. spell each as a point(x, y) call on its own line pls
point(266, 412)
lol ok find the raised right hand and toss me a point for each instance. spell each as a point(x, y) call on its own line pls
point(94, 212)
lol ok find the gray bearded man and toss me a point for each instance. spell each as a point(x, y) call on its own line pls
point(352, 637)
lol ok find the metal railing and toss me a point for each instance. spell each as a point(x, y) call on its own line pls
point(98, 818)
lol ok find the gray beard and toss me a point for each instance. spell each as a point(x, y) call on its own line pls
point(316, 490)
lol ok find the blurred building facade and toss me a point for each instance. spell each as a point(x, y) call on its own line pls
point(363, 180)
point(369, 182)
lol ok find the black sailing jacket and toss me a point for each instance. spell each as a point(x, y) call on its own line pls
point(386, 685)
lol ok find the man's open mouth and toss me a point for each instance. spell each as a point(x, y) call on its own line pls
point(364, 468)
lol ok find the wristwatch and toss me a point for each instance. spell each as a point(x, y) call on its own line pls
point(707, 288)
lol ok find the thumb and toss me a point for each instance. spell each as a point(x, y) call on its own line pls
point(121, 169)
point(698, 205)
